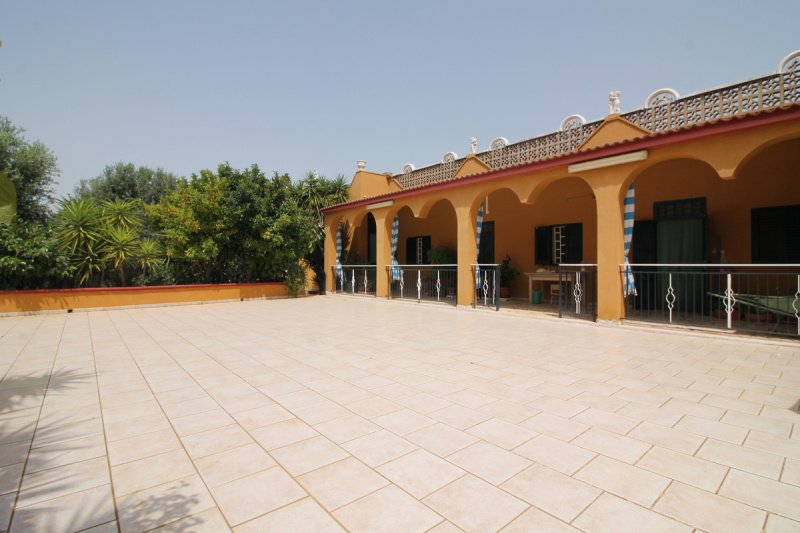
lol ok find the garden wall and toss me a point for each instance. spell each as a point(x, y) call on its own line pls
point(68, 299)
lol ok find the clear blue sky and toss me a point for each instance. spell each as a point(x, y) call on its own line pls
point(297, 85)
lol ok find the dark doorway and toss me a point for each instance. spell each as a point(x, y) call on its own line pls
point(486, 250)
point(371, 236)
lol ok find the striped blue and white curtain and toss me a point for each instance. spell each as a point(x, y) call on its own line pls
point(339, 250)
point(395, 237)
point(629, 286)
point(478, 245)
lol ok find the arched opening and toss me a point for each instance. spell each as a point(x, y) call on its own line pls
point(361, 250)
point(427, 253)
point(772, 211)
point(699, 239)
point(530, 240)
point(418, 237)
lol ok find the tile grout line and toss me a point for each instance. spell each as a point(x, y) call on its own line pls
point(102, 421)
point(277, 463)
point(169, 421)
point(38, 416)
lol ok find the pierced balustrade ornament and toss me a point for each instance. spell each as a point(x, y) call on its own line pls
point(449, 157)
point(438, 285)
point(572, 122)
point(661, 97)
point(498, 143)
point(613, 102)
point(665, 114)
point(670, 298)
point(790, 64)
point(578, 293)
point(486, 290)
point(408, 168)
point(402, 283)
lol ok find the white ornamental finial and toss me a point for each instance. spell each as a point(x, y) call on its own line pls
point(613, 102)
point(361, 164)
point(473, 142)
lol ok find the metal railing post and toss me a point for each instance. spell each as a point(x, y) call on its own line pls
point(594, 294)
point(474, 288)
point(496, 291)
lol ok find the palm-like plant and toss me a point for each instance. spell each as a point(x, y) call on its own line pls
point(123, 213)
point(311, 192)
point(77, 224)
point(78, 233)
point(150, 255)
point(121, 247)
point(91, 261)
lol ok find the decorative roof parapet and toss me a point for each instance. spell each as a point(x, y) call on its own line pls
point(741, 98)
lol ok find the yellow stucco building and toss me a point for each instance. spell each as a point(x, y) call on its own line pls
point(716, 180)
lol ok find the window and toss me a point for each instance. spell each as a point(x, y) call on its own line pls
point(560, 243)
point(776, 234)
point(417, 249)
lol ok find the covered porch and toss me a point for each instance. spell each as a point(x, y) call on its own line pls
point(711, 186)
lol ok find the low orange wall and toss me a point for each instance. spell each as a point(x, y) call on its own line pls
point(49, 300)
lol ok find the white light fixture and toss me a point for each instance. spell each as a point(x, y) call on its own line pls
point(621, 159)
point(387, 203)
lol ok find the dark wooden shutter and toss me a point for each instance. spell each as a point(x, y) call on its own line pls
point(411, 251)
point(573, 234)
point(775, 234)
point(544, 245)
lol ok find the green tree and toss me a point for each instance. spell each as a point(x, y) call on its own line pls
point(30, 258)
point(234, 225)
point(194, 224)
point(125, 181)
point(314, 193)
point(8, 200)
point(32, 168)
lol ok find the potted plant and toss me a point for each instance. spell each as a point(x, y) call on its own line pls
point(507, 276)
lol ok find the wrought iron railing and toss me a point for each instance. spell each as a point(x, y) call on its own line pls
point(742, 297)
point(577, 293)
point(355, 279)
point(431, 283)
point(486, 280)
point(767, 92)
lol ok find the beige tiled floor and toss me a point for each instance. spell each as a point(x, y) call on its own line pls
point(336, 413)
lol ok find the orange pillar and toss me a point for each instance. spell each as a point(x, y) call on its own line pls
point(467, 253)
point(331, 227)
point(610, 249)
point(383, 250)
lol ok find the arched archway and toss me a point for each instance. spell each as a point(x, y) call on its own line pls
point(419, 235)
